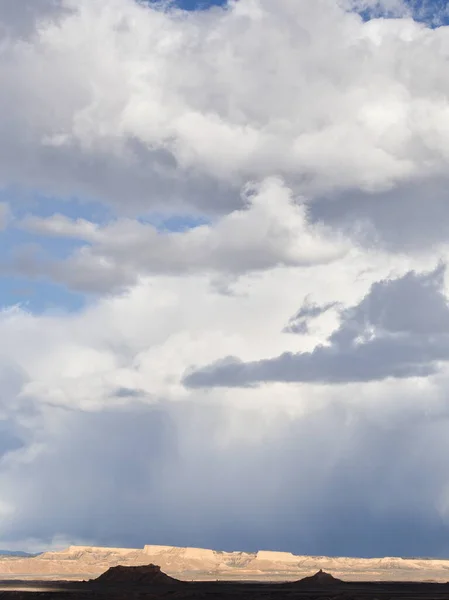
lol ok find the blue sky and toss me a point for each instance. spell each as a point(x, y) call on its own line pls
point(37, 294)
point(432, 12)
point(424, 10)
point(194, 4)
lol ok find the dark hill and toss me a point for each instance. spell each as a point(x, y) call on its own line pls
point(144, 575)
point(320, 579)
point(18, 553)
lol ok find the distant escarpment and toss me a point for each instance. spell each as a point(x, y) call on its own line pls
point(190, 564)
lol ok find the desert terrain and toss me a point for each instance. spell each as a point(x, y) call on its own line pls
point(149, 582)
point(78, 563)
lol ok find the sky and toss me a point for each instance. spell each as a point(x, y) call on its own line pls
point(224, 275)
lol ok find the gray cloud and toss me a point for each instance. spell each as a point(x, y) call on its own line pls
point(153, 185)
point(372, 218)
point(4, 215)
point(400, 329)
point(10, 439)
point(413, 304)
point(124, 392)
point(320, 483)
point(299, 323)
point(20, 19)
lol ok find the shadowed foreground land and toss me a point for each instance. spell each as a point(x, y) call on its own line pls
point(122, 583)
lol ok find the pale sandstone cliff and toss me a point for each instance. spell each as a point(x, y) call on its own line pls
point(85, 562)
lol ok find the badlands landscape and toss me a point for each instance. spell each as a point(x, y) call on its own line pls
point(78, 563)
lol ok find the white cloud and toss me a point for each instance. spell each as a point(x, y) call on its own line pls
point(303, 90)
point(271, 230)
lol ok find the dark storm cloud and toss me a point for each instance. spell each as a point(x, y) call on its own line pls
point(399, 329)
point(336, 481)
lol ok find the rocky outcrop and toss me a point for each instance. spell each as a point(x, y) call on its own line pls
point(320, 579)
point(145, 575)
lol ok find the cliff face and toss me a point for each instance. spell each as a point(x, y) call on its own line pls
point(85, 562)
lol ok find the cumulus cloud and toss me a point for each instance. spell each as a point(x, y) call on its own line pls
point(271, 230)
point(399, 329)
point(289, 95)
point(190, 123)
